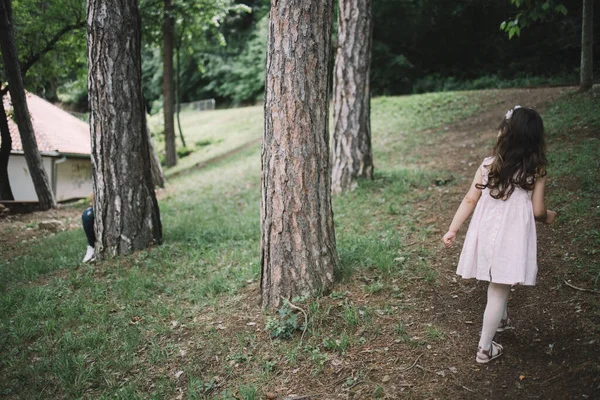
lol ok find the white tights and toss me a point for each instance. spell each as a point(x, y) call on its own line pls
point(495, 311)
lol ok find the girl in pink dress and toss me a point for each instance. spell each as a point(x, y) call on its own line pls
point(507, 196)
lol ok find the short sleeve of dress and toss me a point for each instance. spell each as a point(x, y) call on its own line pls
point(484, 169)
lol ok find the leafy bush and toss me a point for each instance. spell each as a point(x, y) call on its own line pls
point(285, 325)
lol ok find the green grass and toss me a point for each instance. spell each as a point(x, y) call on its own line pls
point(116, 329)
point(209, 134)
point(574, 145)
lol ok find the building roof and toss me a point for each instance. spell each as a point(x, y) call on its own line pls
point(56, 131)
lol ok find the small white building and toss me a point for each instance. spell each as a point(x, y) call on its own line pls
point(64, 144)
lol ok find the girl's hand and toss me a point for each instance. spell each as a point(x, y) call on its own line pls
point(448, 238)
point(550, 216)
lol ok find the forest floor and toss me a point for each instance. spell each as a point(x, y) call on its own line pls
point(184, 320)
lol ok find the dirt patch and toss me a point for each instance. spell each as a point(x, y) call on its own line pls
point(16, 229)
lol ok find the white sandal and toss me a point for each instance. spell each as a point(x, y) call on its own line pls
point(505, 325)
point(485, 356)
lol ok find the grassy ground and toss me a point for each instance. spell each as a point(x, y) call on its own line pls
point(182, 320)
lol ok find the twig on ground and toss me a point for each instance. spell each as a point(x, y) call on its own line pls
point(466, 388)
point(425, 369)
point(295, 307)
point(581, 289)
point(413, 364)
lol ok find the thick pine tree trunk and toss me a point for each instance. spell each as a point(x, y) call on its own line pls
point(126, 211)
point(5, 148)
point(352, 155)
point(587, 46)
point(298, 253)
point(168, 31)
point(21, 111)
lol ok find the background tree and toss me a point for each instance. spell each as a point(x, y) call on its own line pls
point(21, 111)
point(352, 155)
point(126, 211)
point(5, 148)
point(587, 46)
point(533, 11)
point(298, 253)
point(168, 31)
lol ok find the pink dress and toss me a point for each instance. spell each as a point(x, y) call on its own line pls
point(501, 244)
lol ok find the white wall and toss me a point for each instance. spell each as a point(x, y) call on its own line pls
point(20, 180)
point(73, 179)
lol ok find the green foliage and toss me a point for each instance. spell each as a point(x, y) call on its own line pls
point(440, 83)
point(51, 43)
point(241, 77)
point(285, 324)
point(532, 11)
point(184, 152)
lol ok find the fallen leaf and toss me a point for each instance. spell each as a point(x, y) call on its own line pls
point(178, 374)
point(521, 377)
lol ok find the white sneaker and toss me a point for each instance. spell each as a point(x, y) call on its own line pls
point(89, 255)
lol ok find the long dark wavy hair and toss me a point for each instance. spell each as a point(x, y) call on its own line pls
point(519, 154)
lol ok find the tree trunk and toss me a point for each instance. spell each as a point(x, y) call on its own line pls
point(168, 30)
point(158, 177)
point(177, 102)
point(352, 155)
point(21, 111)
point(298, 253)
point(587, 46)
point(126, 212)
point(5, 148)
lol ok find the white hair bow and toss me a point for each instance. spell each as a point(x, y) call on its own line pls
point(509, 113)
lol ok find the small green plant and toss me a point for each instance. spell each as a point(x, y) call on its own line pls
point(318, 358)
point(351, 315)
point(434, 333)
point(203, 143)
point(284, 326)
point(401, 331)
point(184, 152)
point(248, 392)
point(374, 287)
point(340, 345)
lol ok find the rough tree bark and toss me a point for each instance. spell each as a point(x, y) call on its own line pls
point(21, 111)
point(298, 253)
point(5, 148)
point(587, 46)
point(126, 212)
point(168, 31)
point(352, 155)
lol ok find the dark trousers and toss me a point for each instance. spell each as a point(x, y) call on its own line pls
point(87, 219)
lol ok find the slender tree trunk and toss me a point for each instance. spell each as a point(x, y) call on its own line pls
point(587, 46)
point(298, 253)
point(126, 212)
point(158, 177)
point(168, 30)
point(177, 102)
point(5, 148)
point(352, 155)
point(21, 111)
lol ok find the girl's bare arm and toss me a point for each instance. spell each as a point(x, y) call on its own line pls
point(540, 211)
point(464, 210)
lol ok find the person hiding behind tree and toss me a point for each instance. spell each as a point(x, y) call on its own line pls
point(87, 219)
point(507, 196)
